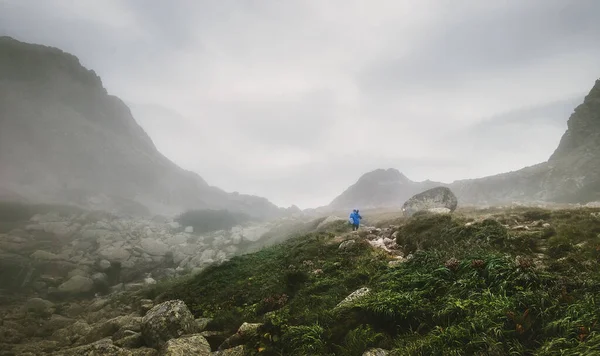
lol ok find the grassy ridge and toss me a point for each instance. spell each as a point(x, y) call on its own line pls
point(471, 288)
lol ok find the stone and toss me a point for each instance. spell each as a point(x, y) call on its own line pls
point(165, 321)
point(114, 254)
point(347, 244)
point(435, 198)
point(358, 294)
point(187, 345)
point(104, 265)
point(103, 347)
point(202, 323)
point(235, 351)
point(76, 285)
point(115, 326)
point(100, 280)
point(41, 255)
point(40, 306)
point(132, 341)
point(189, 229)
point(154, 247)
point(77, 272)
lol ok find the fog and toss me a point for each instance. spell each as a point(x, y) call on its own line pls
point(295, 100)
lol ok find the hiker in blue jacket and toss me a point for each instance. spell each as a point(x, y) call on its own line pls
point(355, 219)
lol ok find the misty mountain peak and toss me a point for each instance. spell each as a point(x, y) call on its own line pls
point(390, 175)
point(583, 128)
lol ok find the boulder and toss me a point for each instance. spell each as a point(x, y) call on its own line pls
point(40, 306)
point(358, 294)
point(187, 345)
point(154, 247)
point(103, 347)
point(189, 229)
point(104, 265)
point(41, 255)
point(114, 254)
point(165, 321)
point(77, 285)
point(432, 200)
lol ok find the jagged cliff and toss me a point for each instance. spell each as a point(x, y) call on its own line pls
point(63, 139)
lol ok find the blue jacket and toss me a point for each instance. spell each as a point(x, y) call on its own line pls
point(355, 218)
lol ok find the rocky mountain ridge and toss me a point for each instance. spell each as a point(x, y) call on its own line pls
point(64, 139)
point(571, 174)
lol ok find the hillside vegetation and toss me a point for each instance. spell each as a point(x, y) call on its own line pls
point(514, 282)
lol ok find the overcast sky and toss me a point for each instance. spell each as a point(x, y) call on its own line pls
point(294, 100)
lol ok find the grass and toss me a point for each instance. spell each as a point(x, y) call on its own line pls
point(476, 285)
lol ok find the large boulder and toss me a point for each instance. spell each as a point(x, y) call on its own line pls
point(439, 199)
point(104, 347)
point(169, 320)
point(77, 285)
point(187, 345)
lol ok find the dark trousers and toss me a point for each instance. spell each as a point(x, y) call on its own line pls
point(354, 227)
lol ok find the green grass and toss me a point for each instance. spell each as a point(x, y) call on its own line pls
point(481, 289)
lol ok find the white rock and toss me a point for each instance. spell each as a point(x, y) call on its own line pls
point(104, 265)
point(189, 229)
point(115, 253)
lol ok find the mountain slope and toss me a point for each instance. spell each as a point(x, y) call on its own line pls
point(64, 139)
point(380, 188)
point(572, 174)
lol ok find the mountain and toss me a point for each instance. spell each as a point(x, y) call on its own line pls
point(570, 175)
point(64, 139)
point(380, 188)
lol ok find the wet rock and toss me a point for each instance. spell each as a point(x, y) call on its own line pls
point(76, 285)
point(186, 345)
point(168, 320)
point(431, 200)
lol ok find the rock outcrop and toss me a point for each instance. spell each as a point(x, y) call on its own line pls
point(64, 139)
point(439, 199)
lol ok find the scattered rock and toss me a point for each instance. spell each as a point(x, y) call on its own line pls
point(187, 345)
point(166, 321)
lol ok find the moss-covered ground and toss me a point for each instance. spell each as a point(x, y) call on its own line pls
point(519, 282)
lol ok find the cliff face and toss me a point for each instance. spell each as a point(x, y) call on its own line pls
point(64, 139)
